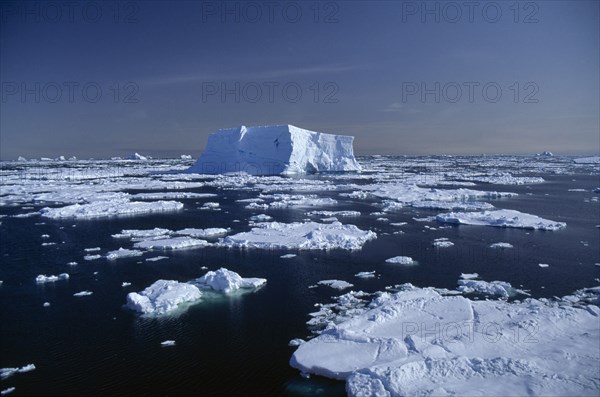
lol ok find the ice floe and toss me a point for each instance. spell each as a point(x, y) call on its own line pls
point(365, 274)
point(227, 281)
point(300, 235)
point(501, 218)
point(202, 233)
point(8, 372)
point(442, 242)
point(162, 297)
point(401, 260)
point(106, 209)
point(420, 342)
point(337, 284)
point(41, 279)
point(83, 293)
point(171, 243)
point(501, 245)
point(123, 253)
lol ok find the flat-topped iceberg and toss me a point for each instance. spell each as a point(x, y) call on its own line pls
point(272, 150)
point(163, 296)
point(227, 281)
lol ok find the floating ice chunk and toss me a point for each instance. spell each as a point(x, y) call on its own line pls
point(227, 281)
point(288, 256)
point(543, 265)
point(401, 260)
point(83, 293)
point(302, 236)
point(92, 257)
point(335, 213)
point(500, 289)
point(106, 209)
point(45, 236)
point(270, 150)
point(398, 224)
point(167, 343)
point(468, 276)
point(136, 234)
point(337, 284)
point(8, 390)
point(7, 372)
point(46, 304)
point(501, 218)
point(162, 296)
point(156, 258)
point(171, 243)
point(202, 233)
point(296, 342)
point(402, 345)
point(136, 156)
point(365, 274)
point(123, 253)
point(501, 245)
point(442, 242)
point(210, 206)
point(171, 195)
point(92, 249)
point(50, 279)
point(261, 218)
point(125, 284)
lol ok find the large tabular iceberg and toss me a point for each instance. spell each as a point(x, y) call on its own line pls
point(271, 150)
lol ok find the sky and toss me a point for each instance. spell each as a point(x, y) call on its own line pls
point(109, 78)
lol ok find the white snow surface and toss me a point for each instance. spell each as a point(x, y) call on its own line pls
point(418, 342)
point(227, 281)
point(162, 297)
point(271, 150)
point(106, 209)
point(301, 236)
point(501, 218)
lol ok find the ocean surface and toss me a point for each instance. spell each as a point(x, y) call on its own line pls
point(238, 344)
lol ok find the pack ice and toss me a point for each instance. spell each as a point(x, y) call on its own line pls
point(272, 150)
point(417, 342)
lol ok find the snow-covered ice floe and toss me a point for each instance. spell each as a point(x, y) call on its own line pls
point(171, 243)
point(270, 150)
point(301, 236)
point(337, 284)
point(227, 281)
point(123, 253)
point(162, 297)
point(420, 342)
point(501, 218)
point(401, 260)
point(41, 279)
point(501, 245)
point(8, 372)
point(202, 233)
point(106, 209)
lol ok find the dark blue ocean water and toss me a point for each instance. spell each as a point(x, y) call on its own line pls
point(238, 345)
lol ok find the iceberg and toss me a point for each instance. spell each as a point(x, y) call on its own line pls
point(272, 150)
point(163, 296)
point(227, 281)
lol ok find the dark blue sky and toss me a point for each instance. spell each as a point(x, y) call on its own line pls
point(102, 79)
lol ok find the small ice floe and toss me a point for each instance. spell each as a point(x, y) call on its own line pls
point(47, 244)
point(94, 249)
point(499, 289)
point(162, 297)
point(442, 242)
point(501, 245)
point(123, 253)
point(204, 268)
point(210, 206)
point(365, 274)
point(425, 219)
point(577, 190)
point(335, 213)
point(92, 257)
point(337, 284)
point(171, 243)
point(83, 293)
point(156, 258)
point(543, 265)
point(227, 281)
point(167, 343)
point(110, 208)
point(8, 372)
point(46, 304)
point(300, 236)
point(202, 233)
point(469, 276)
point(6, 391)
point(45, 236)
point(136, 234)
point(50, 279)
point(330, 219)
point(261, 218)
point(125, 284)
point(296, 342)
point(398, 224)
point(72, 263)
point(501, 218)
point(288, 256)
point(401, 260)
